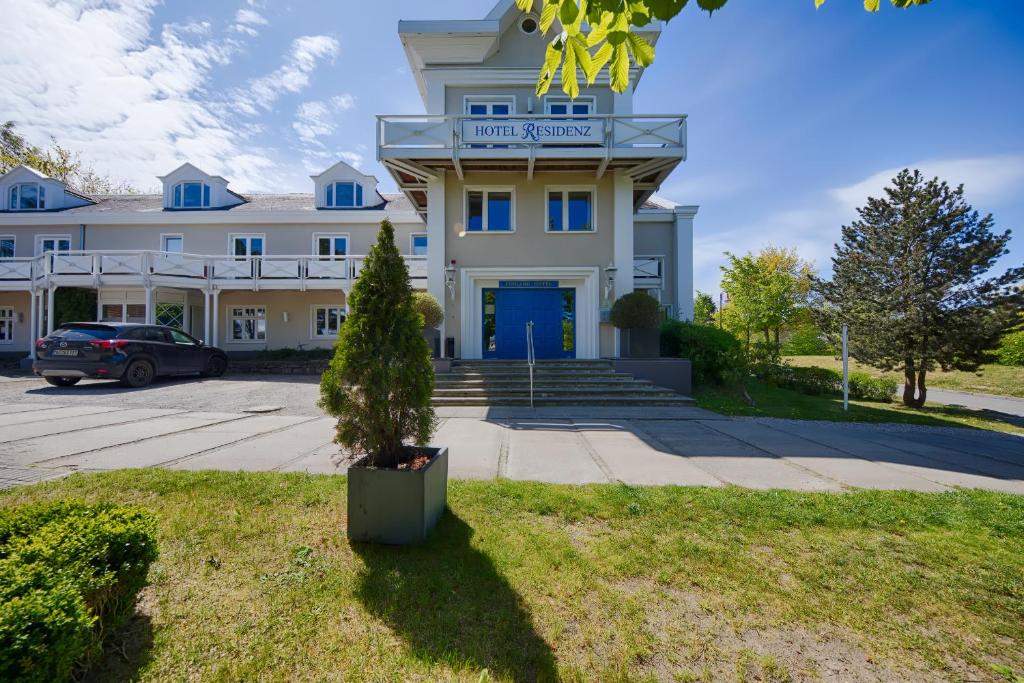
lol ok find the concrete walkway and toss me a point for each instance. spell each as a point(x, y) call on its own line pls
point(685, 446)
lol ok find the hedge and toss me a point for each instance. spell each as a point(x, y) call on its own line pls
point(816, 381)
point(1011, 349)
point(714, 353)
point(69, 575)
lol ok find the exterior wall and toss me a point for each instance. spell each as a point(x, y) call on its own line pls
point(25, 237)
point(659, 239)
point(455, 97)
point(21, 302)
point(529, 246)
point(280, 334)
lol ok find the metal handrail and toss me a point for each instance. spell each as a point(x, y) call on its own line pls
point(531, 359)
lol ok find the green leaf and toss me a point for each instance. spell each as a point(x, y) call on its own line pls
point(524, 5)
point(871, 5)
point(582, 55)
point(710, 6)
point(598, 60)
point(643, 52)
point(619, 28)
point(619, 70)
point(547, 16)
point(552, 58)
point(639, 15)
point(664, 10)
point(568, 11)
point(818, 3)
point(570, 81)
point(599, 30)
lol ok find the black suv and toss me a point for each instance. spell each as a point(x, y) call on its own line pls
point(130, 352)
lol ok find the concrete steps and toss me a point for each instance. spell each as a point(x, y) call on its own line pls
point(555, 383)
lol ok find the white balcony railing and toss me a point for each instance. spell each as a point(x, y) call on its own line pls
point(407, 133)
point(188, 269)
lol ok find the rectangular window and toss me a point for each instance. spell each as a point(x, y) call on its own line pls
point(173, 244)
point(247, 245)
point(562, 106)
point(193, 195)
point(327, 321)
point(6, 325)
point(112, 313)
point(6, 246)
point(60, 243)
point(330, 246)
point(135, 313)
point(248, 323)
point(344, 195)
point(490, 210)
point(570, 210)
point(419, 244)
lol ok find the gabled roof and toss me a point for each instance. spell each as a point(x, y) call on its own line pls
point(345, 165)
point(194, 168)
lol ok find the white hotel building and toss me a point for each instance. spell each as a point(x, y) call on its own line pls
point(513, 208)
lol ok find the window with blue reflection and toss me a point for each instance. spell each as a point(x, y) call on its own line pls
point(344, 195)
point(580, 211)
point(555, 211)
point(571, 210)
point(191, 195)
point(475, 211)
point(27, 197)
point(419, 245)
point(499, 211)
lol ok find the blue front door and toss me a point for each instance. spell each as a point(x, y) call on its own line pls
point(507, 311)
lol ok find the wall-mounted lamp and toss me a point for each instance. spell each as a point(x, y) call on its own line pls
point(449, 278)
point(609, 279)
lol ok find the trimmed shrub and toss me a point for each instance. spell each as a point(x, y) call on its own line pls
point(868, 388)
point(69, 574)
point(636, 310)
point(426, 305)
point(1011, 349)
point(715, 354)
point(816, 381)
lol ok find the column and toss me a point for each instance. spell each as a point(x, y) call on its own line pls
point(99, 305)
point(622, 220)
point(149, 305)
point(33, 324)
point(436, 251)
point(215, 331)
point(206, 318)
point(50, 291)
point(684, 261)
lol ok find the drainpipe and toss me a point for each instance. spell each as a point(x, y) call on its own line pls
point(81, 236)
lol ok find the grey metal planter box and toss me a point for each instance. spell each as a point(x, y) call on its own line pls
point(641, 342)
point(397, 507)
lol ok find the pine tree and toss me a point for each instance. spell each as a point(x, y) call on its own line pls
point(909, 280)
point(381, 378)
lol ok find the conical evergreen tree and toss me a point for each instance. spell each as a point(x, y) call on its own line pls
point(381, 378)
point(909, 280)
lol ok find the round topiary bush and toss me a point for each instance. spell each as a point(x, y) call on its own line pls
point(426, 305)
point(636, 310)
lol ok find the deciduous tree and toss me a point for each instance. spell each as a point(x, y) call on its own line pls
point(704, 309)
point(765, 291)
point(911, 281)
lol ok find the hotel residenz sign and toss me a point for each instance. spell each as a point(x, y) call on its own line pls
point(533, 131)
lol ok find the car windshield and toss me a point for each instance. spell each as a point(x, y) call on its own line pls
point(84, 333)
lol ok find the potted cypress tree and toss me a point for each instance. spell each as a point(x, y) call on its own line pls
point(638, 316)
point(378, 386)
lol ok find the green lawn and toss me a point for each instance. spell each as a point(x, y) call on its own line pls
point(255, 581)
point(990, 379)
point(772, 401)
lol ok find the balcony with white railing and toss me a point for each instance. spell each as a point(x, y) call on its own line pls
point(423, 136)
point(134, 268)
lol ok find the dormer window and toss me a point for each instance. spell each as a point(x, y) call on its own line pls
point(343, 195)
point(27, 197)
point(192, 195)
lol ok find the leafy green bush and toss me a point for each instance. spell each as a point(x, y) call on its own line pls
point(816, 381)
point(806, 340)
point(715, 354)
point(636, 310)
point(427, 306)
point(69, 574)
point(1011, 349)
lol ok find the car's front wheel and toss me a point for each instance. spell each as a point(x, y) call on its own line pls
point(215, 367)
point(139, 374)
point(63, 381)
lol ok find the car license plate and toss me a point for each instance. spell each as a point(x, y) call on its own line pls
point(65, 352)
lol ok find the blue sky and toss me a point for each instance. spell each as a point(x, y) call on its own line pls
point(795, 114)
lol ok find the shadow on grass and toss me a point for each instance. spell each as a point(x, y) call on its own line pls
point(125, 652)
point(447, 600)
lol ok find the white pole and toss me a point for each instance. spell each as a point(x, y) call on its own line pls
point(846, 369)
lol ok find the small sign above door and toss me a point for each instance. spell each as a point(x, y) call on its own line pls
point(528, 284)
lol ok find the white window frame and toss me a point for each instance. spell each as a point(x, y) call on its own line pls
point(332, 257)
point(14, 242)
point(510, 100)
point(40, 191)
point(565, 190)
point(230, 319)
point(487, 189)
point(203, 204)
point(312, 320)
point(333, 204)
point(557, 99)
point(231, 243)
point(7, 319)
point(40, 238)
point(163, 241)
point(412, 242)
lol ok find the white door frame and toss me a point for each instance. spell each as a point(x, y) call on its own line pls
point(584, 279)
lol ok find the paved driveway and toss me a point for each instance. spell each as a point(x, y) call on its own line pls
point(200, 424)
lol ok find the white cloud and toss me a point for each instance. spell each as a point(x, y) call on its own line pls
point(315, 119)
point(246, 20)
point(291, 77)
point(813, 227)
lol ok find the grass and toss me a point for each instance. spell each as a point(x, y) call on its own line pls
point(772, 401)
point(524, 581)
point(1001, 380)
